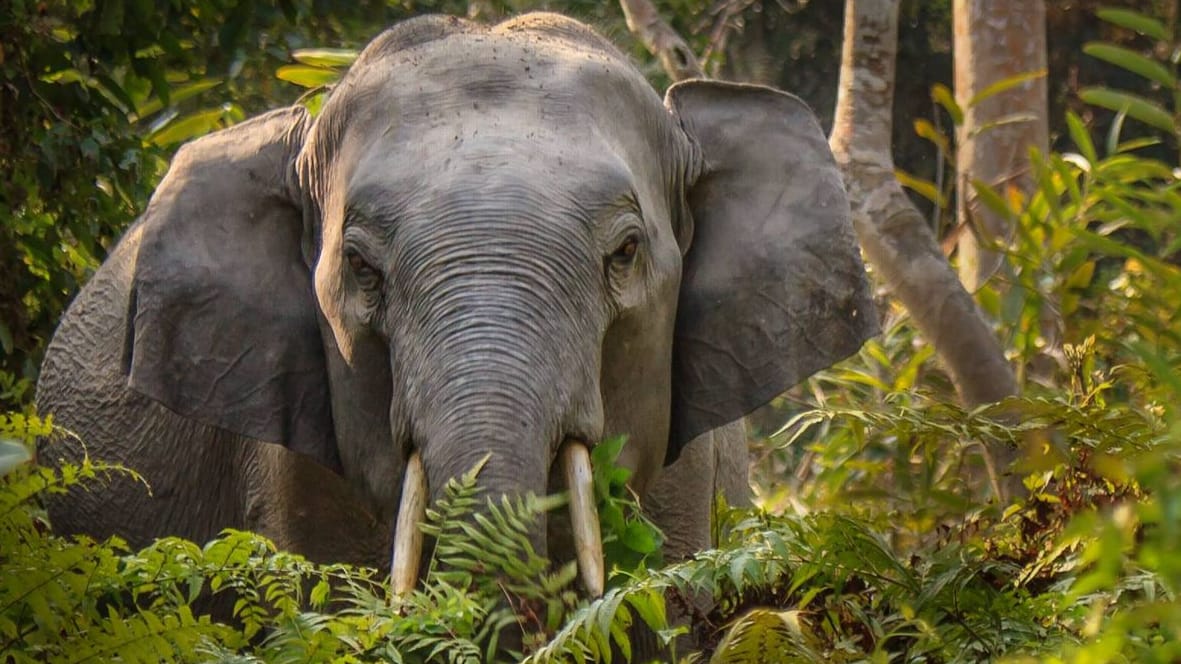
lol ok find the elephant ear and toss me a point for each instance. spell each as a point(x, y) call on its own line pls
point(773, 288)
point(222, 327)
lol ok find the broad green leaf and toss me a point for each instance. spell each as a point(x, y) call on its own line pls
point(1081, 277)
point(1135, 21)
point(942, 95)
point(1132, 61)
point(325, 57)
point(1144, 110)
point(308, 77)
point(1005, 84)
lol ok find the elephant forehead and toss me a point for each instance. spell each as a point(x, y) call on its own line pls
point(474, 154)
point(517, 80)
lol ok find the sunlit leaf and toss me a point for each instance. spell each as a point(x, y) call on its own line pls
point(1144, 110)
point(943, 96)
point(308, 77)
point(188, 126)
point(925, 188)
point(331, 58)
point(925, 129)
point(1132, 61)
point(1005, 84)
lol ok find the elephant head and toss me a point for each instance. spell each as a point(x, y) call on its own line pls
point(495, 239)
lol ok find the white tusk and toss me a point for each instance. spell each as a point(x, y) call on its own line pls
point(407, 536)
point(583, 517)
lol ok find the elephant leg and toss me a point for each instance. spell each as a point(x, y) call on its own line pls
point(306, 508)
point(680, 500)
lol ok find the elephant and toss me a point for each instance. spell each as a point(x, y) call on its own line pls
point(492, 241)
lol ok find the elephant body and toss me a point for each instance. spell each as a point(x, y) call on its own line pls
point(492, 241)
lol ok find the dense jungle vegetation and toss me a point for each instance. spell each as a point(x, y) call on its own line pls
point(879, 534)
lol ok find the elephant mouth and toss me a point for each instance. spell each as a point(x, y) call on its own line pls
point(584, 519)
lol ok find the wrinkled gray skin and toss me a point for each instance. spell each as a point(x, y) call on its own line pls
point(492, 239)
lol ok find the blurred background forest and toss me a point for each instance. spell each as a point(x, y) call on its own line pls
point(892, 527)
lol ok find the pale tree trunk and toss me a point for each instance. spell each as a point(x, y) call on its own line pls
point(996, 40)
point(892, 232)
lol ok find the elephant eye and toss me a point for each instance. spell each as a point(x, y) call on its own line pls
point(367, 276)
point(626, 251)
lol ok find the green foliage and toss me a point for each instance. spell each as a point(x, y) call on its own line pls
point(630, 540)
point(238, 599)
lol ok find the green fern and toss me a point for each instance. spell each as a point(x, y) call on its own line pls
point(765, 636)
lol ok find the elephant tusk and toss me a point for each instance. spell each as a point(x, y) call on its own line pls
point(407, 536)
point(583, 517)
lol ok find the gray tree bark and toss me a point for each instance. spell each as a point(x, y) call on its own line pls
point(893, 234)
point(996, 40)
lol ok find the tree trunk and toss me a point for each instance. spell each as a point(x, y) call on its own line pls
point(996, 40)
point(893, 234)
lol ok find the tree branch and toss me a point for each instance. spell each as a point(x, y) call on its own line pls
point(661, 40)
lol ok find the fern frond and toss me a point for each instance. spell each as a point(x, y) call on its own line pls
point(766, 636)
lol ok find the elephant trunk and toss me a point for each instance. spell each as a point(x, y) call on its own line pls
point(494, 379)
point(505, 471)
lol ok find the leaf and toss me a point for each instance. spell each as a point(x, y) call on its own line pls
point(924, 188)
point(765, 635)
point(801, 423)
point(1081, 137)
point(925, 129)
point(1131, 61)
point(1135, 21)
point(992, 200)
point(639, 538)
point(308, 77)
point(325, 57)
point(941, 94)
point(1148, 112)
point(1005, 84)
point(1011, 118)
point(13, 453)
point(179, 94)
point(187, 127)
